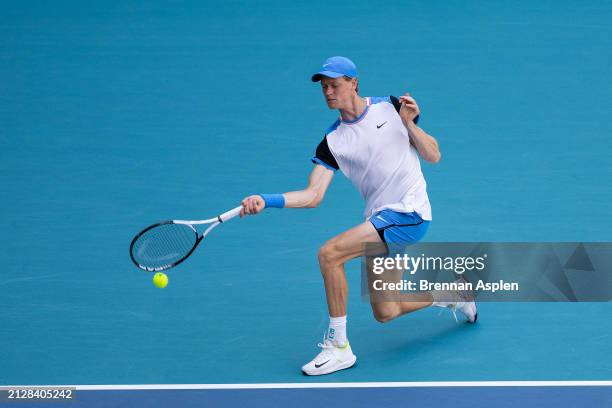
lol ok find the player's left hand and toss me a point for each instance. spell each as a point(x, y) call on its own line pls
point(409, 108)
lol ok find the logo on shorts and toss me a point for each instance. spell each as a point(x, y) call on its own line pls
point(381, 218)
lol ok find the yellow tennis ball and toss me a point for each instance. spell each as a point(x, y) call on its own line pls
point(160, 280)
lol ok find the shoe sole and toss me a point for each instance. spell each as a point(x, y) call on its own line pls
point(343, 366)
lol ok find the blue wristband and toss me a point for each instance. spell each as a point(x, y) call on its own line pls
point(274, 200)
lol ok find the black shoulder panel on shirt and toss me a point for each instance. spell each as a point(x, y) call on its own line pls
point(325, 155)
point(397, 104)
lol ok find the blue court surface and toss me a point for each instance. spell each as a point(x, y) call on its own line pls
point(115, 115)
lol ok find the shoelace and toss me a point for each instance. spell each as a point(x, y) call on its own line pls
point(453, 308)
point(464, 296)
point(325, 354)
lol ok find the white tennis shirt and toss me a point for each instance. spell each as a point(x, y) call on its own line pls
point(375, 153)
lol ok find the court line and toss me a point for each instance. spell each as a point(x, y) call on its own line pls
point(324, 385)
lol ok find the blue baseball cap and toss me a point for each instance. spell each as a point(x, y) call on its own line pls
point(335, 67)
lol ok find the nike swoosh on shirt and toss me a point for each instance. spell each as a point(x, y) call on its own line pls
point(322, 364)
point(379, 126)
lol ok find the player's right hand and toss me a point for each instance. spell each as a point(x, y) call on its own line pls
point(252, 205)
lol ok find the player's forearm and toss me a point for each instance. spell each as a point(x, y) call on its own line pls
point(426, 145)
point(302, 199)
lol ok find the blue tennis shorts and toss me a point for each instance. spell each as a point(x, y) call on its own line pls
point(399, 228)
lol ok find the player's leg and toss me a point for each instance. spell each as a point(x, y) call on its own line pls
point(332, 256)
point(349, 245)
point(400, 230)
point(337, 354)
point(386, 304)
point(386, 226)
point(389, 304)
point(396, 230)
point(336, 351)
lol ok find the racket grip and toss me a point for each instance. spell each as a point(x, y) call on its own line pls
point(230, 214)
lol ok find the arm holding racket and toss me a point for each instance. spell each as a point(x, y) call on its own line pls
point(310, 197)
point(166, 244)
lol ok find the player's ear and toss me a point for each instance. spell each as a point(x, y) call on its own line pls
point(356, 84)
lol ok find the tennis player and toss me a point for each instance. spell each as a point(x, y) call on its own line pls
point(376, 143)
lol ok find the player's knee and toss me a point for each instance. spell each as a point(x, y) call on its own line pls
point(384, 314)
point(328, 255)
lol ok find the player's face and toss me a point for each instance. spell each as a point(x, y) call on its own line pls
point(338, 92)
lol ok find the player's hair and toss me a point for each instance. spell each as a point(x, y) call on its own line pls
point(357, 81)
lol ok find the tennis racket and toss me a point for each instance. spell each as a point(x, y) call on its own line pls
point(166, 244)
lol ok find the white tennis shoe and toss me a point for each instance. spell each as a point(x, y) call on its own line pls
point(467, 308)
point(462, 301)
point(332, 358)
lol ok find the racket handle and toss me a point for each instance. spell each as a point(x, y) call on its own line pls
point(230, 214)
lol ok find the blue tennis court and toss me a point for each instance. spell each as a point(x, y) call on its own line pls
point(116, 115)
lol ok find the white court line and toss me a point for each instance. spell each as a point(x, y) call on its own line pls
point(326, 385)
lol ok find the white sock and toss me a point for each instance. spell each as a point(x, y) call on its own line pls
point(337, 330)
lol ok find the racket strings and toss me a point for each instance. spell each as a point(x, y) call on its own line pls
point(164, 245)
